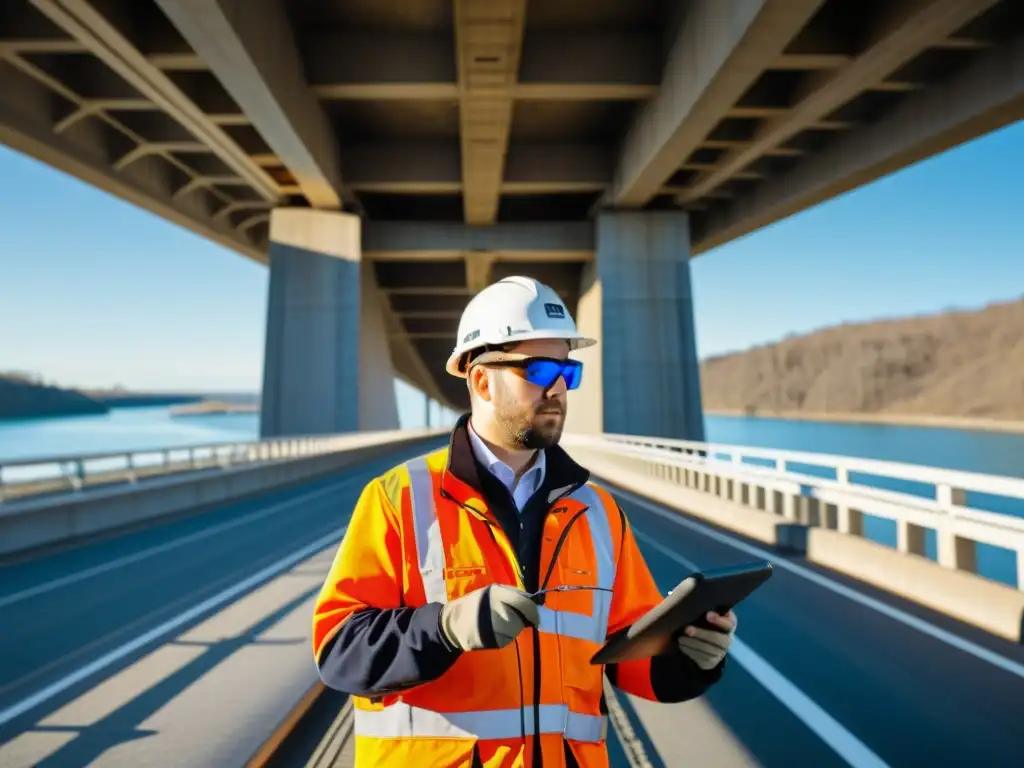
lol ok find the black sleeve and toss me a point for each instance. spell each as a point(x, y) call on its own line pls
point(379, 651)
point(675, 677)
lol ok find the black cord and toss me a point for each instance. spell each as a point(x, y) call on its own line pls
point(522, 704)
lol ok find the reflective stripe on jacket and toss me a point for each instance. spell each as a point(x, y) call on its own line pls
point(420, 537)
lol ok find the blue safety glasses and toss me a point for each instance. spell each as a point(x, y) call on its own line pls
point(544, 371)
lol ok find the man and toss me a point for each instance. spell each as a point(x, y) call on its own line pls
point(430, 617)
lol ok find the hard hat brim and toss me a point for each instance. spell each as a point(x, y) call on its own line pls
point(575, 340)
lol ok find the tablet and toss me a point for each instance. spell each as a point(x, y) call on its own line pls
point(717, 590)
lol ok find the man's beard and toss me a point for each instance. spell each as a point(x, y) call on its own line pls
point(530, 430)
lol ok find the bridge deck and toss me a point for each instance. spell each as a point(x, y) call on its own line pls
point(187, 643)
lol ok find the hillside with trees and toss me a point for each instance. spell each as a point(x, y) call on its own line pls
point(966, 364)
point(25, 397)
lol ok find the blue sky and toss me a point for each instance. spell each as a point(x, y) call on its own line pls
point(94, 291)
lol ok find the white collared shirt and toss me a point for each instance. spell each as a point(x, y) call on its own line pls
point(528, 483)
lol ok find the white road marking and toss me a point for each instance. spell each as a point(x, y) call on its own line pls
point(111, 565)
point(218, 600)
point(828, 729)
point(909, 620)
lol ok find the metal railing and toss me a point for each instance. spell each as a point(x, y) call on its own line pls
point(960, 509)
point(24, 478)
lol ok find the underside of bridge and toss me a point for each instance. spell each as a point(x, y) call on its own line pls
point(594, 144)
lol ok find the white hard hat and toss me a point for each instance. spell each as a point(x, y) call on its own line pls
point(509, 311)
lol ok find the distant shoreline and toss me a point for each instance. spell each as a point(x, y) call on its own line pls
point(212, 408)
point(25, 398)
point(894, 419)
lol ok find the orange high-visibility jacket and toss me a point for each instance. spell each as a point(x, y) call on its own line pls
point(423, 535)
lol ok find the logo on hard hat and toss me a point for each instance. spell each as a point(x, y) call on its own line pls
point(555, 310)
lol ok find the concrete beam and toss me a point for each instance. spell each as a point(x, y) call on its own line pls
point(478, 270)
point(250, 47)
point(433, 167)
point(984, 97)
point(907, 28)
point(407, 362)
point(723, 46)
point(26, 125)
point(488, 40)
point(542, 168)
point(436, 168)
point(381, 65)
point(562, 241)
point(95, 32)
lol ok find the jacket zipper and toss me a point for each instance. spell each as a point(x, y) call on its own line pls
point(538, 756)
point(519, 582)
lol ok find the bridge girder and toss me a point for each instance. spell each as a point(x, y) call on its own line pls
point(473, 114)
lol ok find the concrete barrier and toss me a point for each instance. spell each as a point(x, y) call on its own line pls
point(987, 604)
point(632, 475)
point(964, 596)
point(32, 525)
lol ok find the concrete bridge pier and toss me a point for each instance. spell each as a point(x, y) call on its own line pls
point(327, 365)
point(643, 377)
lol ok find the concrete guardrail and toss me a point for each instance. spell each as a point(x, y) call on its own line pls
point(773, 497)
point(23, 478)
point(33, 521)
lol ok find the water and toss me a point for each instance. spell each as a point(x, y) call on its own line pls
point(122, 429)
point(973, 451)
point(994, 453)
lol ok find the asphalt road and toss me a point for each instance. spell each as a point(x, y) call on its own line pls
point(187, 637)
point(181, 644)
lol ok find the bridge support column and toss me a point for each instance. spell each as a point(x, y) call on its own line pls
point(643, 377)
point(327, 366)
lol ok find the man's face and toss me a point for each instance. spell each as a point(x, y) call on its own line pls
point(530, 416)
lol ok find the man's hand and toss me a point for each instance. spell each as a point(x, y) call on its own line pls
point(707, 647)
point(491, 617)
